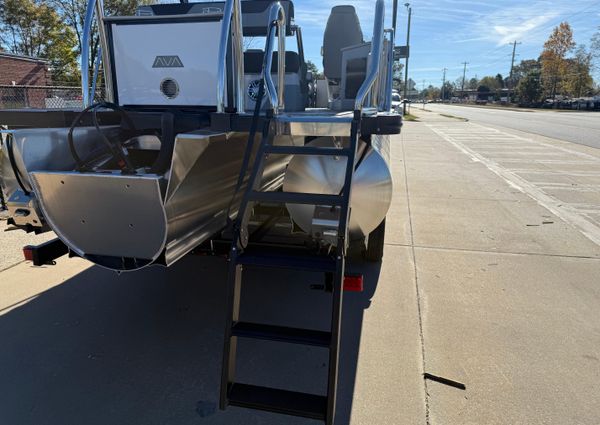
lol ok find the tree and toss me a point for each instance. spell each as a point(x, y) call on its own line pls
point(472, 84)
point(73, 14)
point(529, 89)
point(595, 48)
point(447, 91)
point(578, 81)
point(316, 73)
point(35, 29)
point(490, 82)
point(500, 81)
point(553, 56)
point(397, 77)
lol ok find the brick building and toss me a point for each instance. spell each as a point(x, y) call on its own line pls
point(17, 74)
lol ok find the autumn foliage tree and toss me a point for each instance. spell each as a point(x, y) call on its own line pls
point(35, 29)
point(553, 57)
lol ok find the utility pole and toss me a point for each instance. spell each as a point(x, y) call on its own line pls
point(407, 5)
point(462, 89)
point(444, 83)
point(512, 65)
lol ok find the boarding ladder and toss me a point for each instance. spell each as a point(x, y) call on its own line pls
point(332, 264)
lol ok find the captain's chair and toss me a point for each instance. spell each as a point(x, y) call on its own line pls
point(296, 86)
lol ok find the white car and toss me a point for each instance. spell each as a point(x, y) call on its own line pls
point(396, 102)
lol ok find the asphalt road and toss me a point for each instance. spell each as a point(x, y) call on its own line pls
point(577, 127)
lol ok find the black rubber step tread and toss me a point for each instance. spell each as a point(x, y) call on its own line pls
point(278, 401)
point(307, 150)
point(297, 198)
point(297, 262)
point(282, 334)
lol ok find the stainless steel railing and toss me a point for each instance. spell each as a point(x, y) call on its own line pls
point(232, 12)
point(374, 66)
point(277, 24)
point(94, 7)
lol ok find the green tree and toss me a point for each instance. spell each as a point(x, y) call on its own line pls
point(595, 48)
point(311, 67)
point(500, 80)
point(578, 81)
point(447, 91)
point(529, 89)
point(73, 14)
point(553, 57)
point(472, 84)
point(492, 83)
point(35, 29)
point(398, 77)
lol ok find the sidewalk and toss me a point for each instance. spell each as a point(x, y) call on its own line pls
point(508, 306)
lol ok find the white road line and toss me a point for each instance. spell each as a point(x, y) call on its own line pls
point(563, 210)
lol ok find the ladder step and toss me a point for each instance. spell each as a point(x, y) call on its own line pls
point(297, 262)
point(278, 401)
point(307, 150)
point(297, 198)
point(282, 334)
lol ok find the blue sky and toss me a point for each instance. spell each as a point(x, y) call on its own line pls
point(447, 32)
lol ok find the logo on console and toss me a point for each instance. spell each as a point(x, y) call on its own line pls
point(167, 62)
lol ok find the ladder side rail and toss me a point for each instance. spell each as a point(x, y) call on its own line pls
point(277, 22)
point(231, 12)
point(374, 66)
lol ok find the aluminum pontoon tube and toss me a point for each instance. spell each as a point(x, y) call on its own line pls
point(371, 187)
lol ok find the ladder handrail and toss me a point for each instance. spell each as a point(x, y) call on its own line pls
point(376, 48)
point(231, 11)
point(277, 20)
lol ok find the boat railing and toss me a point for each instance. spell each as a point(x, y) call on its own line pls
point(232, 12)
point(277, 25)
point(94, 7)
point(369, 88)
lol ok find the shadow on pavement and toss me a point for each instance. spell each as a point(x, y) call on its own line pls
point(145, 347)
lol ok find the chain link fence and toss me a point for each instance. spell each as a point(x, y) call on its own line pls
point(44, 97)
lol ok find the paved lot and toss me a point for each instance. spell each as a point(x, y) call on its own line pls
point(490, 278)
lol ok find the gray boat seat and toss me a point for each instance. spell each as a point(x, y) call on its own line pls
point(342, 30)
point(296, 86)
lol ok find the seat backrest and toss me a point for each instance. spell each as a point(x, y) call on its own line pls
point(342, 30)
point(253, 61)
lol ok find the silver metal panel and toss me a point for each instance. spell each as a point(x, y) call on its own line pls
point(205, 170)
point(136, 47)
point(371, 190)
point(314, 124)
point(104, 214)
point(46, 149)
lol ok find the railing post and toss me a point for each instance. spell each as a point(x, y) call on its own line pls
point(277, 21)
point(96, 6)
point(231, 10)
point(85, 52)
point(376, 47)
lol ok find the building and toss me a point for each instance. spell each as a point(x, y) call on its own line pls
point(19, 73)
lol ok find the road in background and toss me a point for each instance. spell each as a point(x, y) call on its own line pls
point(576, 127)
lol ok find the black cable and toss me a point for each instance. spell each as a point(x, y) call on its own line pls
point(249, 144)
point(13, 164)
